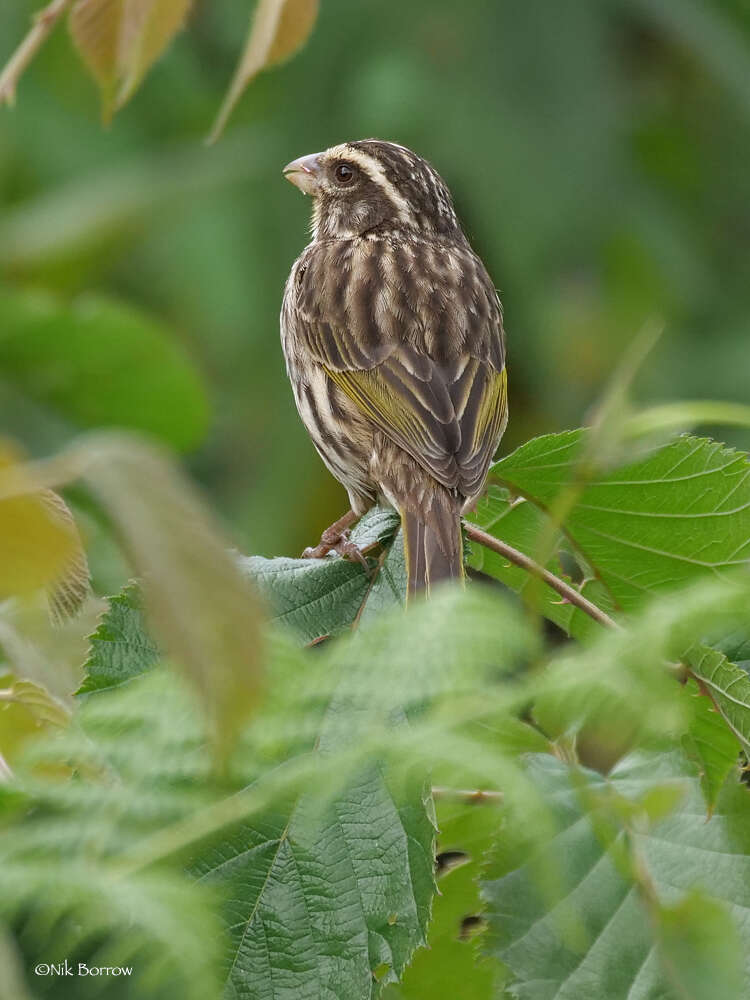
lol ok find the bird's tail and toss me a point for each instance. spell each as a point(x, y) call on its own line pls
point(433, 547)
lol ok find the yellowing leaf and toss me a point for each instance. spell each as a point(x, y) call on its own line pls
point(67, 592)
point(295, 26)
point(37, 543)
point(25, 708)
point(279, 29)
point(37, 701)
point(202, 609)
point(119, 40)
point(95, 29)
point(148, 26)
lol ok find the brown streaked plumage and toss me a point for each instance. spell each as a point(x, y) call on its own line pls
point(394, 344)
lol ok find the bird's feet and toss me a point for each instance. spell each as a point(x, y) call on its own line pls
point(336, 543)
point(336, 539)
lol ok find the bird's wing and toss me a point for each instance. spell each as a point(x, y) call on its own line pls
point(418, 345)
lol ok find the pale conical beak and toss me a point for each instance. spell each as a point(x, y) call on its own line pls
point(304, 173)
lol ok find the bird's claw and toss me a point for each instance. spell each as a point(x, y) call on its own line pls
point(339, 542)
point(348, 550)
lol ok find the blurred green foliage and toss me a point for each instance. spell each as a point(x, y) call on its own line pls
point(597, 151)
point(598, 155)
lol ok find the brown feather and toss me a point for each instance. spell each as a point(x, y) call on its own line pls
point(393, 336)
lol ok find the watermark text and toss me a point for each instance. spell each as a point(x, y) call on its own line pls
point(67, 968)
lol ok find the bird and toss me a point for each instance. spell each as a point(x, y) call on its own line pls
point(393, 336)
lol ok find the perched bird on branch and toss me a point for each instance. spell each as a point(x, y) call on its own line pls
point(393, 336)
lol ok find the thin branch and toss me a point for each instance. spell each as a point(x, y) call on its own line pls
point(44, 22)
point(568, 593)
point(471, 797)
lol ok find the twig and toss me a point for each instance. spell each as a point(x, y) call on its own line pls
point(472, 797)
point(44, 22)
point(570, 594)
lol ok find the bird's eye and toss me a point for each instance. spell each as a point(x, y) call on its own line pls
point(344, 173)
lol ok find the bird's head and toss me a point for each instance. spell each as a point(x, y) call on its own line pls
point(358, 187)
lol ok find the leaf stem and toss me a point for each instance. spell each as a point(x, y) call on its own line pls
point(44, 22)
point(469, 796)
point(523, 561)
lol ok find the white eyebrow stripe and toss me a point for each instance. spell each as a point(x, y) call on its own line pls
point(374, 168)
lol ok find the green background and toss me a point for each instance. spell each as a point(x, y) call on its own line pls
point(597, 150)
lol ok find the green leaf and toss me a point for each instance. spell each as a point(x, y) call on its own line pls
point(711, 744)
point(121, 647)
point(619, 691)
point(140, 762)
point(99, 363)
point(304, 884)
point(201, 607)
point(675, 515)
point(378, 527)
point(569, 915)
point(701, 949)
point(161, 925)
point(453, 967)
point(324, 863)
point(316, 598)
point(729, 688)
point(388, 585)
point(735, 645)
point(345, 876)
point(458, 641)
point(312, 598)
point(684, 414)
point(522, 525)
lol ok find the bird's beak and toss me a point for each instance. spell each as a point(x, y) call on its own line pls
point(304, 173)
